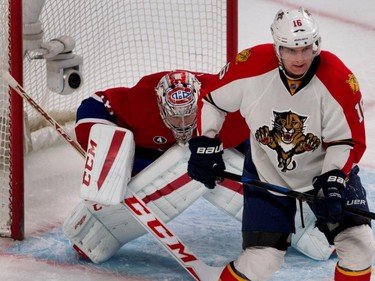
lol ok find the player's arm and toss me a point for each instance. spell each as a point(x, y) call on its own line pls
point(206, 149)
point(343, 131)
point(93, 110)
point(222, 94)
point(230, 90)
point(206, 161)
point(343, 136)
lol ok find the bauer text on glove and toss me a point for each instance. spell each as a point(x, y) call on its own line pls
point(330, 189)
point(206, 160)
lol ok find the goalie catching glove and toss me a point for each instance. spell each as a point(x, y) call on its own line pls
point(206, 160)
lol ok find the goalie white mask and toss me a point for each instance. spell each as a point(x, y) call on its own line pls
point(295, 28)
point(177, 95)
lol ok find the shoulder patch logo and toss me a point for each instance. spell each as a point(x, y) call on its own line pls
point(243, 56)
point(353, 83)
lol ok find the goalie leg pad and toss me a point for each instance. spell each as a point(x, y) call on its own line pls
point(99, 231)
point(309, 240)
point(259, 263)
point(90, 235)
point(227, 195)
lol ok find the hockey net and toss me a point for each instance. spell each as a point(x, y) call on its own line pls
point(119, 41)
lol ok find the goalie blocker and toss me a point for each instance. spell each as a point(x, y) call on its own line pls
point(99, 231)
point(108, 166)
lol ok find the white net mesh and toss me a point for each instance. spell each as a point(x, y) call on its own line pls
point(120, 41)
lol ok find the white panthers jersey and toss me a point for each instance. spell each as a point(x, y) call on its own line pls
point(297, 131)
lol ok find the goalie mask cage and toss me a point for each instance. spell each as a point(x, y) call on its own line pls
point(119, 41)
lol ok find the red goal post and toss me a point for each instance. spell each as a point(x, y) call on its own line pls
point(115, 44)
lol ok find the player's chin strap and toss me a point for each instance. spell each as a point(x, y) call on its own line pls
point(155, 226)
point(288, 192)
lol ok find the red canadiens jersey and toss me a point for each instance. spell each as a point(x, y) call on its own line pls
point(295, 135)
point(136, 109)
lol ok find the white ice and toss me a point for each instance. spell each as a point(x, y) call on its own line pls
point(53, 177)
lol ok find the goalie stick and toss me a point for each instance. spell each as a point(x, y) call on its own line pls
point(156, 227)
point(288, 192)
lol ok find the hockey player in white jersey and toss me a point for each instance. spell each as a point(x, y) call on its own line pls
point(97, 231)
point(304, 109)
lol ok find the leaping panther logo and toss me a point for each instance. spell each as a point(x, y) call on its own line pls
point(287, 138)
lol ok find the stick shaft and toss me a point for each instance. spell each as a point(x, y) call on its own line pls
point(292, 193)
point(14, 84)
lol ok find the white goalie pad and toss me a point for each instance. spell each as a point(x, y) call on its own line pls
point(91, 235)
point(99, 231)
point(309, 240)
point(108, 166)
point(166, 185)
point(228, 195)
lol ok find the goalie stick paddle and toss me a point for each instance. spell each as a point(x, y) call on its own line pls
point(155, 226)
point(292, 193)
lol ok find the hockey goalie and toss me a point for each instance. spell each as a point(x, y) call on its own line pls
point(135, 140)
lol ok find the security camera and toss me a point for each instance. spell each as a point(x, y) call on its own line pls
point(64, 73)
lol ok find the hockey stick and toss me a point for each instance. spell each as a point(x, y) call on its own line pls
point(292, 193)
point(156, 227)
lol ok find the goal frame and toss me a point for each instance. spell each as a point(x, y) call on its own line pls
point(17, 215)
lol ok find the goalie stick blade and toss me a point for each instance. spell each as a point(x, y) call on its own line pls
point(196, 268)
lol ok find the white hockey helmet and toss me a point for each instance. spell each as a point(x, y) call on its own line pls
point(295, 28)
point(177, 96)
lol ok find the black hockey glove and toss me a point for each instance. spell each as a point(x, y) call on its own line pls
point(330, 188)
point(206, 160)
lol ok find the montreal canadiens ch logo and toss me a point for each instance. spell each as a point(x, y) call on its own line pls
point(180, 96)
